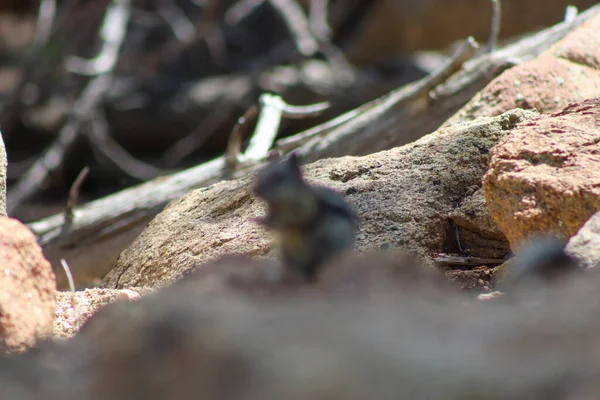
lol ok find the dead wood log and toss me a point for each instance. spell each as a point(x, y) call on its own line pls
point(100, 230)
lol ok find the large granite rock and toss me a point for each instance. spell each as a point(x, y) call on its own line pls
point(545, 177)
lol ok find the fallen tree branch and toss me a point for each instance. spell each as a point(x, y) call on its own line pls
point(377, 116)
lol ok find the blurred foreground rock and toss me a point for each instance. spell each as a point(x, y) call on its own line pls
point(184, 342)
point(27, 287)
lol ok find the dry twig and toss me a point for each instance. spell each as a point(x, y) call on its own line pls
point(298, 25)
point(272, 109)
point(45, 22)
point(319, 18)
point(570, 13)
point(101, 140)
point(73, 196)
point(234, 145)
point(367, 113)
point(495, 29)
point(195, 139)
point(446, 259)
point(112, 33)
point(67, 270)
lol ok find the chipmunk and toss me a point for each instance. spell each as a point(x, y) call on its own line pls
point(312, 224)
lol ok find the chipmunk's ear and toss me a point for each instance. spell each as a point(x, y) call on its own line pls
point(294, 163)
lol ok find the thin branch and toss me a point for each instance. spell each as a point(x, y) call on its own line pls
point(366, 113)
point(240, 10)
point(45, 22)
point(319, 25)
point(112, 32)
point(272, 109)
point(180, 25)
point(194, 140)
point(495, 29)
point(286, 144)
point(298, 24)
point(302, 112)
point(462, 251)
point(67, 270)
point(234, 145)
point(319, 17)
point(466, 261)
point(187, 33)
point(73, 196)
point(101, 140)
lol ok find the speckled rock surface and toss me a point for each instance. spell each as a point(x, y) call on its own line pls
point(27, 287)
point(546, 176)
point(403, 198)
point(74, 309)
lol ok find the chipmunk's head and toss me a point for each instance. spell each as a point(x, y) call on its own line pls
point(280, 181)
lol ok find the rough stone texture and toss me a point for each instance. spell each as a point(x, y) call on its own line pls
point(27, 289)
point(3, 164)
point(585, 245)
point(183, 343)
point(403, 198)
point(74, 309)
point(567, 72)
point(546, 176)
